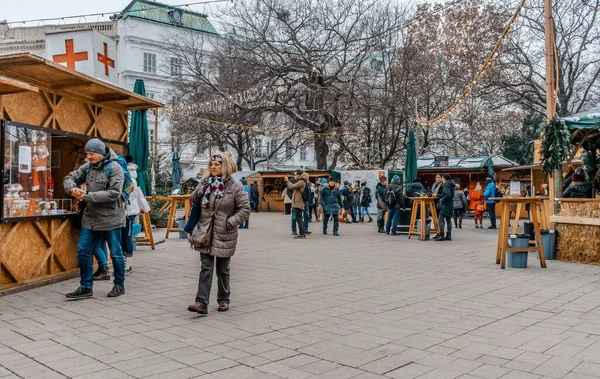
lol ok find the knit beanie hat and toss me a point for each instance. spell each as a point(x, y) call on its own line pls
point(95, 146)
point(396, 179)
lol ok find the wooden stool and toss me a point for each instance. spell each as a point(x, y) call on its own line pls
point(503, 232)
point(174, 201)
point(147, 226)
point(421, 203)
point(541, 211)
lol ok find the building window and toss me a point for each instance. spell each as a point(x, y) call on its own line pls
point(302, 153)
point(150, 63)
point(150, 95)
point(151, 135)
point(258, 148)
point(176, 66)
point(273, 150)
point(289, 150)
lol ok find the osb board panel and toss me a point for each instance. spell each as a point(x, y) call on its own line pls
point(30, 253)
point(579, 243)
point(112, 125)
point(27, 107)
point(73, 116)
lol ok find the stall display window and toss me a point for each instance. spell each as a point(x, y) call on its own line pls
point(28, 182)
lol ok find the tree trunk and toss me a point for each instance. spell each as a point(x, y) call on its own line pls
point(321, 151)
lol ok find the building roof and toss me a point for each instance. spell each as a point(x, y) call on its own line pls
point(462, 163)
point(161, 13)
point(37, 72)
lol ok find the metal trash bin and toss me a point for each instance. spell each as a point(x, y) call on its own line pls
point(518, 259)
point(181, 225)
point(427, 229)
point(548, 243)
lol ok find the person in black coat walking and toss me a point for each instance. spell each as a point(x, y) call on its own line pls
point(365, 201)
point(255, 196)
point(446, 208)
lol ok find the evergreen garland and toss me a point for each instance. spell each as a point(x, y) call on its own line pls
point(556, 145)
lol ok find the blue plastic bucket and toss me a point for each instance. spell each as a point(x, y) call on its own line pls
point(518, 259)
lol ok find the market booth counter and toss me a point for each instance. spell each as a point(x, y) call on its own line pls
point(48, 112)
point(271, 186)
point(578, 230)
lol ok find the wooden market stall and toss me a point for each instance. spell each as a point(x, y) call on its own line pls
point(577, 221)
point(48, 112)
point(271, 186)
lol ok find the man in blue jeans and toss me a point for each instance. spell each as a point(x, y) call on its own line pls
point(490, 191)
point(394, 199)
point(103, 217)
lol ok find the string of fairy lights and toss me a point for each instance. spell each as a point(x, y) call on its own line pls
point(480, 73)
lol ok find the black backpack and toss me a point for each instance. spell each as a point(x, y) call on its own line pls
point(306, 192)
point(391, 197)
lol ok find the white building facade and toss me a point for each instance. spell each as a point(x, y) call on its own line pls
point(138, 34)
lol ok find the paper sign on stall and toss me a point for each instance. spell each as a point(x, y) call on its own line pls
point(25, 159)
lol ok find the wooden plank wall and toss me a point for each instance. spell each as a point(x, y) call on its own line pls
point(32, 251)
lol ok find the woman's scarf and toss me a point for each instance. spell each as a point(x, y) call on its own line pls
point(216, 187)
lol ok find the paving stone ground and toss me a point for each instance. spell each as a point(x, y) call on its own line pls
point(357, 306)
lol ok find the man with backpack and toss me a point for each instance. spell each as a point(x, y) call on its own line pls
point(298, 202)
point(491, 191)
point(394, 200)
point(104, 214)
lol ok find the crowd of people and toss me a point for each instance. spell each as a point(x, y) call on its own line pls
point(331, 201)
point(110, 201)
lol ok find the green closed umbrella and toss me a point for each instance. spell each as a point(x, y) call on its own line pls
point(139, 144)
point(177, 172)
point(410, 164)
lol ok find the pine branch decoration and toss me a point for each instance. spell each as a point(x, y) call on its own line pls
point(556, 145)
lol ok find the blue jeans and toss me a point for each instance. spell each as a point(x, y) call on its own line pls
point(101, 254)
point(392, 221)
point(305, 219)
point(364, 212)
point(380, 214)
point(336, 223)
point(127, 242)
point(245, 224)
point(89, 240)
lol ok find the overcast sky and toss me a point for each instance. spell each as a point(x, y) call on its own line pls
point(35, 9)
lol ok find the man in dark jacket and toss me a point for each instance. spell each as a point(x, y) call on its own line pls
point(381, 205)
point(365, 201)
point(394, 200)
point(416, 189)
point(446, 208)
point(578, 188)
point(103, 217)
point(255, 196)
point(331, 200)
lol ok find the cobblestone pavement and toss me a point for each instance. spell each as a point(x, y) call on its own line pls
point(358, 306)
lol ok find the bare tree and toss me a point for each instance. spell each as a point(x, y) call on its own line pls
point(307, 54)
point(577, 38)
point(205, 114)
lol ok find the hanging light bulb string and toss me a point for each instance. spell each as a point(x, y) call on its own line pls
point(257, 128)
point(482, 69)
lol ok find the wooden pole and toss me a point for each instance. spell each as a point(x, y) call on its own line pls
point(555, 179)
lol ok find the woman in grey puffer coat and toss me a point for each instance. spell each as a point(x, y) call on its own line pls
point(225, 200)
point(460, 206)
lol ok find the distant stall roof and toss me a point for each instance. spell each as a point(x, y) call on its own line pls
point(34, 71)
point(589, 119)
point(463, 163)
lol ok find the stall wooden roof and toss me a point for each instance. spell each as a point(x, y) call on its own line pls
point(8, 85)
point(45, 74)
